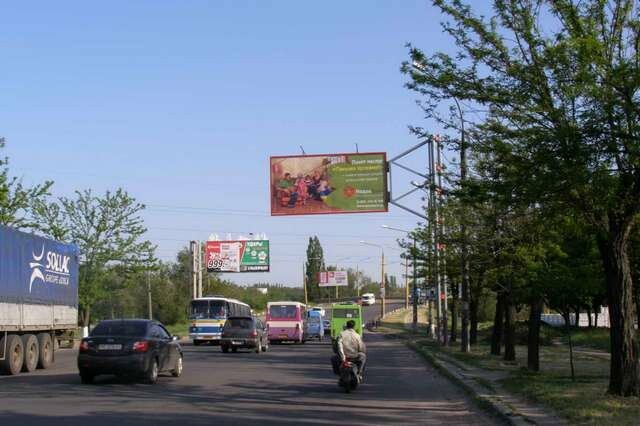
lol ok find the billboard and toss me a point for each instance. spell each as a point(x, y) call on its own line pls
point(333, 279)
point(238, 256)
point(329, 184)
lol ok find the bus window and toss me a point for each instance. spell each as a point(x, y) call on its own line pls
point(217, 309)
point(199, 309)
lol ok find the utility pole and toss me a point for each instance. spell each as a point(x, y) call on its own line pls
point(149, 294)
point(440, 244)
point(433, 224)
point(406, 284)
point(415, 288)
point(194, 270)
point(304, 283)
point(382, 287)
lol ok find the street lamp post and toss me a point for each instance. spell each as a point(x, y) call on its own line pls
point(414, 324)
point(382, 282)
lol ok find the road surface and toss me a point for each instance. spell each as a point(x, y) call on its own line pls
point(288, 385)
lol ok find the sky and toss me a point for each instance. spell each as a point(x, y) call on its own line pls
point(182, 103)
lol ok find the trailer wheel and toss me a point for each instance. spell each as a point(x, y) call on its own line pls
point(31, 353)
point(45, 345)
point(14, 356)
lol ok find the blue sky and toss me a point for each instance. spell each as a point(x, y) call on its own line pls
point(182, 103)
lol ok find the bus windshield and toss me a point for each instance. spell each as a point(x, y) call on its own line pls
point(283, 311)
point(208, 309)
point(346, 313)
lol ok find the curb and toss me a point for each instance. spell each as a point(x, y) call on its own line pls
point(498, 409)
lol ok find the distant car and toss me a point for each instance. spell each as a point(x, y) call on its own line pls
point(326, 324)
point(244, 332)
point(141, 348)
point(368, 299)
point(319, 309)
point(358, 300)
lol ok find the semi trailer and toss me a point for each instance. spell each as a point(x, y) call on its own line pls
point(38, 299)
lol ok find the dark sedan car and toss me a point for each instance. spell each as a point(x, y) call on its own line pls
point(244, 332)
point(140, 348)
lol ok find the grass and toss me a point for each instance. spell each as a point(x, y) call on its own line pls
point(596, 338)
point(181, 329)
point(583, 401)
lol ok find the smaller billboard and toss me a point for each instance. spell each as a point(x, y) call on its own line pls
point(333, 279)
point(238, 256)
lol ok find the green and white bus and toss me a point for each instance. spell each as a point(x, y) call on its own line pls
point(343, 312)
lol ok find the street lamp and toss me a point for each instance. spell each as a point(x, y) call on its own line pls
point(382, 286)
point(415, 283)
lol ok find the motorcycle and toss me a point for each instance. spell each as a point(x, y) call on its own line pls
point(348, 376)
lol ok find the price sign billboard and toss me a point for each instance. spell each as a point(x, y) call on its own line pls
point(238, 256)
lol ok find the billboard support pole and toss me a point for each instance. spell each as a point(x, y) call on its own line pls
point(199, 269)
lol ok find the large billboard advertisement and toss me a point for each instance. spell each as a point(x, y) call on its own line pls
point(238, 256)
point(333, 279)
point(328, 184)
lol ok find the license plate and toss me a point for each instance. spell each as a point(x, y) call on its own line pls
point(284, 336)
point(109, 347)
point(236, 342)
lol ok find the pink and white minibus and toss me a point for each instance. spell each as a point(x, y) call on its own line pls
point(287, 321)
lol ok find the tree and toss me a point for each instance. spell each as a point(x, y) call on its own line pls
point(559, 81)
point(16, 199)
point(314, 264)
point(107, 230)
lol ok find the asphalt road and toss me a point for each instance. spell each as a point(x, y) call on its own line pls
point(288, 385)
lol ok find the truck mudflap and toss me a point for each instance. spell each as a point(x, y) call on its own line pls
point(3, 347)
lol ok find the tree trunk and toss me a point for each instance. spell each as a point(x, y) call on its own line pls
point(85, 313)
point(454, 314)
point(567, 327)
point(577, 324)
point(623, 375)
point(498, 322)
point(589, 317)
point(473, 319)
point(533, 339)
point(509, 329)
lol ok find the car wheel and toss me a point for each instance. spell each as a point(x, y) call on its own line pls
point(14, 355)
point(234, 350)
point(225, 349)
point(45, 345)
point(151, 375)
point(177, 371)
point(86, 378)
point(31, 353)
point(258, 348)
point(197, 342)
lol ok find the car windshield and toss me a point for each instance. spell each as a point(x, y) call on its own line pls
point(346, 313)
point(239, 323)
point(283, 311)
point(128, 328)
point(208, 309)
point(315, 320)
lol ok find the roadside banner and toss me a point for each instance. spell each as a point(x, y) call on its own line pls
point(333, 279)
point(238, 256)
point(329, 184)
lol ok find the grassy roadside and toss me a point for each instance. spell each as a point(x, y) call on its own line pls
point(583, 401)
point(181, 329)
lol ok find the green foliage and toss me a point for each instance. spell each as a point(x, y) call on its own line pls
point(314, 265)
point(16, 199)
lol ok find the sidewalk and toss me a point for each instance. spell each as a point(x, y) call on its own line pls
point(484, 385)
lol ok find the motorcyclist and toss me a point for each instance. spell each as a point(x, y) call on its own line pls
point(350, 346)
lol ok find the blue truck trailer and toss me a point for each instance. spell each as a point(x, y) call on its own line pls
point(38, 299)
